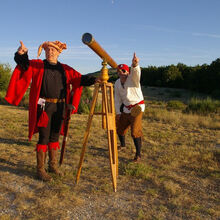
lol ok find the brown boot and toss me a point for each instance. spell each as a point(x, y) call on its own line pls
point(53, 167)
point(41, 173)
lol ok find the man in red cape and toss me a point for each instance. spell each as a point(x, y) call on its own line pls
point(51, 83)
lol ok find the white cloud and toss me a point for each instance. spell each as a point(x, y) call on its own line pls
point(206, 35)
point(168, 30)
point(161, 29)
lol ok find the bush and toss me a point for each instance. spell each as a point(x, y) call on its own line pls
point(175, 104)
point(203, 106)
point(2, 98)
point(5, 74)
point(85, 102)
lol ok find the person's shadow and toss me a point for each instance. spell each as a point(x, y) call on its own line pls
point(19, 168)
point(14, 141)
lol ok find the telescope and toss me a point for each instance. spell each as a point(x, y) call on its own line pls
point(89, 40)
point(108, 108)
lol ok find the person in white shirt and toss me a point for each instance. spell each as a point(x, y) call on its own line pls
point(129, 104)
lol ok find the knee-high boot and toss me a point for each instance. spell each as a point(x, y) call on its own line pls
point(137, 143)
point(41, 172)
point(122, 141)
point(53, 164)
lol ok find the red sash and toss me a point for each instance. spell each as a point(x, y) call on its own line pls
point(131, 106)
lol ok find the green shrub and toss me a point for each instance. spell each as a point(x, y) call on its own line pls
point(175, 104)
point(5, 74)
point(203, 106)
point(2, 98)
point(85, 102)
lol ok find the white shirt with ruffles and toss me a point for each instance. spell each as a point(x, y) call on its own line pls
point(130, 93)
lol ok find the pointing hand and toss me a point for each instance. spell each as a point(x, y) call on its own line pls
point(135, 60)
point(22, 49)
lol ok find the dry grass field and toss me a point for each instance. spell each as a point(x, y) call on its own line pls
point(178, 177)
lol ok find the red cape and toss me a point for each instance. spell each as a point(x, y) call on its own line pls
point(20, 81)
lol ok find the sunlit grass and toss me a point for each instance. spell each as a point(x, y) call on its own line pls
point(178, 177)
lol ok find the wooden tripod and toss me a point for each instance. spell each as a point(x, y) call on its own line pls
point(108, 121)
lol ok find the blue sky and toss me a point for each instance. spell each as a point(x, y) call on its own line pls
point(161, 32)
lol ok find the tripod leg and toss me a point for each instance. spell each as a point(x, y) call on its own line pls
point(86, 135)
point(110, 130)
point(103, 112)
point(114, 145)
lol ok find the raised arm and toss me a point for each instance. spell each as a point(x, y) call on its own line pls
point(21, 57)
point(135, 71)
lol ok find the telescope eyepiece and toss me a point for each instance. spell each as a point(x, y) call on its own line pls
point(87, 38)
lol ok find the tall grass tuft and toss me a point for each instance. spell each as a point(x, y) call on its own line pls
point(176, 105)
point(139, 170)
point(203, 106)
point(179, 119)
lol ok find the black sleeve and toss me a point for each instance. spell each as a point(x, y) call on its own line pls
point(87, 80)
point(22, 60)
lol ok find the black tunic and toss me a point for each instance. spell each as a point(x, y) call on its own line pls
point(54, 81)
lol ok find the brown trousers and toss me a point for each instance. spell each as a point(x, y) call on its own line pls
point(126, 120)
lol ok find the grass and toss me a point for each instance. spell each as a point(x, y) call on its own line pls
point(178, 177)
point(175, 104)
point(204, 106)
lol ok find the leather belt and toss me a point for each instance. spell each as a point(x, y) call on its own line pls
point(54, 100)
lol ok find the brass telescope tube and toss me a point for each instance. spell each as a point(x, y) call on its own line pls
point(89, 40)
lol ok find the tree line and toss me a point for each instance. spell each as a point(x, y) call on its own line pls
point(204, 78)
